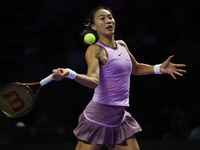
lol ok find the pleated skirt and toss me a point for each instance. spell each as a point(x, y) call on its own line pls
point(90, 130)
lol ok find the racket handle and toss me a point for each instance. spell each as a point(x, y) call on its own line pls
point(46, 80)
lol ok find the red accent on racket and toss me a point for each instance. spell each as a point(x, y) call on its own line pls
point(61, 71)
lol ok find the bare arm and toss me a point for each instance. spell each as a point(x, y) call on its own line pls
point(137, 68)
point(144, 69)
point(91, 79)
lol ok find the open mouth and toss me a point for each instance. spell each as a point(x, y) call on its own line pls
point(109, 27)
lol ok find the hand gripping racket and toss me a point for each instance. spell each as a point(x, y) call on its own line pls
point(17, 99)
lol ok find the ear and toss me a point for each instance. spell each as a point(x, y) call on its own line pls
point(93, 27)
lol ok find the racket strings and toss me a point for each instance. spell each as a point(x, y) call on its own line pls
point(16, 99)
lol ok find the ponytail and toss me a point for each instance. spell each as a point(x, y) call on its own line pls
point(89, 30)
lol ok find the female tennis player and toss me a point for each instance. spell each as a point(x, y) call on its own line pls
point(110, 64)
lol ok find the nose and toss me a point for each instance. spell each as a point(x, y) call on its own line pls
point(108, 21)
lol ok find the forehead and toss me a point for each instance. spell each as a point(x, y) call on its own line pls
point(102, 12)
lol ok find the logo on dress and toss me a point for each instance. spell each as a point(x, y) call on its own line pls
point(115, 59)
point(120, 54)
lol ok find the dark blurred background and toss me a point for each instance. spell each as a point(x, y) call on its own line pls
point(40, 35)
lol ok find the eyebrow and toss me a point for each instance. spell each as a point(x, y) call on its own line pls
point(104, 15)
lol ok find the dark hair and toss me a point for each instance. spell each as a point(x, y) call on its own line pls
point(90, 21)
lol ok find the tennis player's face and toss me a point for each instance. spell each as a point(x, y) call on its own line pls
point(104, 23)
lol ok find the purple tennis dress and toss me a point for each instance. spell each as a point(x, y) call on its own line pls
point(105, 119)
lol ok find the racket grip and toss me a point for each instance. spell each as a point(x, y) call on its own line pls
point(46, 80)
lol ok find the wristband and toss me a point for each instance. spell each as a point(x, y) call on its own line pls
point(156, 69)
point(72, 74)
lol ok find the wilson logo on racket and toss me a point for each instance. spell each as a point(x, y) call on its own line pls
point(13, 103)
point(17, 99)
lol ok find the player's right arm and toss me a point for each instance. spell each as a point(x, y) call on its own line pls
point(91, 79)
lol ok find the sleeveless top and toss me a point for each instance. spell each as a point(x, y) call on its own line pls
point(114, 80)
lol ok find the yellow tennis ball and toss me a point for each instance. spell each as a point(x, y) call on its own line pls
point(89, 38)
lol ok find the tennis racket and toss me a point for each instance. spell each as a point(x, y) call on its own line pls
point(17, 99)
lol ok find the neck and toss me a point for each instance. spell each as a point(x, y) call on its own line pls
point(108, 41)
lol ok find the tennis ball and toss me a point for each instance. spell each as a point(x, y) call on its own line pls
point(89, 38)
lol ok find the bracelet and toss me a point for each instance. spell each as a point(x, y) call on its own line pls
point(156, 69)
point(72, 74)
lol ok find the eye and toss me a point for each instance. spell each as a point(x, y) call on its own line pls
point(102, 18)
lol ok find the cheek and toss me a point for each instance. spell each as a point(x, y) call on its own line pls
point(114, 23)
point(100, 25)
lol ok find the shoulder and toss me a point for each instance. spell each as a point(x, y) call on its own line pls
point(122, 43)
point(93, 51)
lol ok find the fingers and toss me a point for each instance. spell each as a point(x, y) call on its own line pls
point(177, 72)
point(57, 74)
point(58, 70)
point(179, 65)
point(181, 70)
point(170, 57)
point(54, 70)
point(173, 76)
point(172, 68)
point(56, 77)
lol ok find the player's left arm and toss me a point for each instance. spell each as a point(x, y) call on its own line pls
point(144, 69)
point(137, 68)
